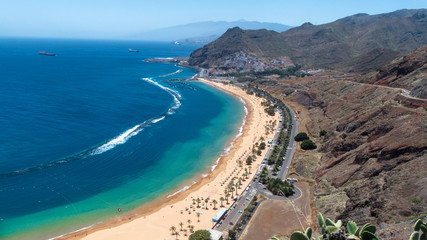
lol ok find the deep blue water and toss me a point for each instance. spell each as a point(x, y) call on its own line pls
point(80, 131)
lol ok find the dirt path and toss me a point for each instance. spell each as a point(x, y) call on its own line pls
point(280, 217)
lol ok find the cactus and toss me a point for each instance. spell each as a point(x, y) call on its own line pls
point(308, 232)
point(419, 225)
point(332, 230)
point(321, 220)
point(368, 236)
point(299, 236)
point(414, 236)
point(352, 228)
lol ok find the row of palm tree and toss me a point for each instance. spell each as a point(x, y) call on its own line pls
point(181, 224)
point(214, 202)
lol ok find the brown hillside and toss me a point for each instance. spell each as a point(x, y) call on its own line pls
point(372, 38)
point(408, 72)
point(373, 158)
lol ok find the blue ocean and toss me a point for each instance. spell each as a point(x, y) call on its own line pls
point(96, 128)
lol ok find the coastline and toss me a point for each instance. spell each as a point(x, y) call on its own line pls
point(153, 220)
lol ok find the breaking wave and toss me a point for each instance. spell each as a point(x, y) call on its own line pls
point(110, 144)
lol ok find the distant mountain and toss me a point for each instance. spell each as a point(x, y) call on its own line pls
point(375, 38)
point(204, 32)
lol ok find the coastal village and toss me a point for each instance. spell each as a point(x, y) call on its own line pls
point(244, 62)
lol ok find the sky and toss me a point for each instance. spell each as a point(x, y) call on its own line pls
point(121, 18)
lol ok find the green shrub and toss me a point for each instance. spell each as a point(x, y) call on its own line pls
point(200, 235)
point(308, 145)
point(322, 133)
point(301, 137)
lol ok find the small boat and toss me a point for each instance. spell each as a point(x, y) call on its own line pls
point(46, 54)
point(132, 50)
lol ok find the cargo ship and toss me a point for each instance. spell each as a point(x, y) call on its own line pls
point(132, 50)
point(46, 54)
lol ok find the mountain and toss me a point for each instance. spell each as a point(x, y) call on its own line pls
point(256, 42)
point(408, 72)
point(370, 165)
point(203, 32)
point(376, 38)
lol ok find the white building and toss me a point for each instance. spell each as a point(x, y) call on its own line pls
point(215, 235)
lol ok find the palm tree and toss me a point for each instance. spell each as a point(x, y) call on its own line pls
point(181, 224)
point(172, 229)
point(246, 171)
point(198, 216)
point(240, 182)
point(194, 201)
point(198, 202)
point(226, 197)
point(244, 176)
point(176, 235)
point(206, 201)
point(249, 169)
point(232, 192)
point(214, 203)
point(222, 200)
point(237, 187)
point(189, 222)
point(191, 228)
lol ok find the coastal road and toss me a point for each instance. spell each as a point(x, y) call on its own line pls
point(291, 147)
point(255, 187)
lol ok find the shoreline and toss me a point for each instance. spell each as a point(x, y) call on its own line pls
point(182, 195)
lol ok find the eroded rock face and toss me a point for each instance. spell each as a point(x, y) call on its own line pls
point(375, 150)
point(408, 72)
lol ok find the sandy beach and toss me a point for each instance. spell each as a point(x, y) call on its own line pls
point(154, 220)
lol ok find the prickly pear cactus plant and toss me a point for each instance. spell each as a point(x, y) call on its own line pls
point(420, 231)
point(332, 231)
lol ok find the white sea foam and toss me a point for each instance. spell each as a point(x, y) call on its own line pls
point(240, 133)
point(175, 94)
point(78, 230)
point(158, 119)
point(126, 135)
point(181, 190)
point(122, 138)
point(215, 165)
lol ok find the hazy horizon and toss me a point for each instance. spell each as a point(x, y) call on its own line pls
point(117, 20)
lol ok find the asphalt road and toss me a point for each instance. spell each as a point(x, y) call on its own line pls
point(255, 187)
point(291, 147)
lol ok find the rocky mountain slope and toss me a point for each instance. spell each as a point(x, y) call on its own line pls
point(371, 38)
point(255, 42)
point(408, 72)
point(372, 163)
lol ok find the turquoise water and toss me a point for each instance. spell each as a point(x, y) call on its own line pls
point(96, 128)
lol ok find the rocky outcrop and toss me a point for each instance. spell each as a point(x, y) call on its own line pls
point(408, 72)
